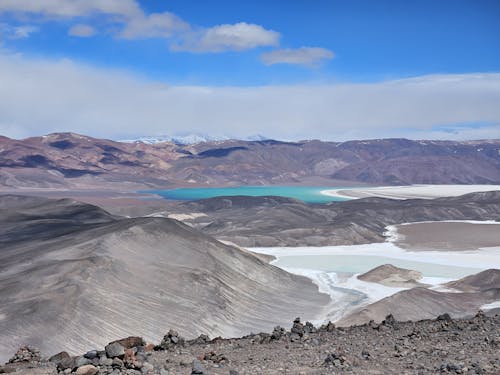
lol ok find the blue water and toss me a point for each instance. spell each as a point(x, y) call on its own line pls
point(304, 193)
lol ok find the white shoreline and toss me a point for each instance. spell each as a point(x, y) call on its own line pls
point(349, 293)
point(409, 191)
point(392, 235)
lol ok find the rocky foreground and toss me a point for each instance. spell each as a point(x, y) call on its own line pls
point(440, 346)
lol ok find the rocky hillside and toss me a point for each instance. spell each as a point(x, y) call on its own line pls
point(440, 346)
point(74, 277)
point(276, 221)
point(71, 160)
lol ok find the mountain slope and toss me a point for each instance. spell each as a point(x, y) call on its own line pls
point(276, 221)
point(108, 277)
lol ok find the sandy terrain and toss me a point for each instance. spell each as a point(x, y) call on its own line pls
point(411, 191)
point(447, 236)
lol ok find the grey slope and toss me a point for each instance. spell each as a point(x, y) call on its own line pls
point(77, 287)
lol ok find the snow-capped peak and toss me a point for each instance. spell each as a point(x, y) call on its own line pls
point(188, 139)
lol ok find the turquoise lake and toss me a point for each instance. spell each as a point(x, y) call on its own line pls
point(306, 194)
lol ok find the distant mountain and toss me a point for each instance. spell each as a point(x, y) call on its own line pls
point(189, 139)
point(73, 160)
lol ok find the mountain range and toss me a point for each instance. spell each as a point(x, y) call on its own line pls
point(75, 161)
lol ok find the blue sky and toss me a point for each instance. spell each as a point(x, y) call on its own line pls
point(316, 48)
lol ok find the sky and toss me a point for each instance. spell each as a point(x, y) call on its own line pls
point(296, 69)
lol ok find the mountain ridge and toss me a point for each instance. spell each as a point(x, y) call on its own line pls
point(64, 160)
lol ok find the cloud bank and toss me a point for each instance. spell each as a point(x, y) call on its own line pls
point(43, 96)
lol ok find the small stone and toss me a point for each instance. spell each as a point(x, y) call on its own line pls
point(81, 361)
point(233, 372)
point(59, 357)
point(91, 354)
point(117, 362)
point(105, 361)
point(164, 371)
point(130, 342)
point(389, 320)
point(86, 370)
point(115, 349)
point(26, 354)
point(198, 368)
point(365, 354)
point(147, 368)
point(278, 333)
point(171, 339)
point(445, 317)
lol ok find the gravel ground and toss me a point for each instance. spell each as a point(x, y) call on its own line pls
point(441, 346)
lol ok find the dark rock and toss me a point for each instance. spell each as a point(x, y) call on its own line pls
point(214, 357)
point(105, 361)
point(59, 357)
point(233, 372)
point(117, 362)
point(171, 339)
point(200, 340)
point(198, 368)
point(365, 354)
point(389, 320)
point(298, 327)
point(115, 349)
point(278, 333)
point(334, 359)
point(68, 363)
point(309, 328)
point(147, 368)
point(444, 317)
point(130, 342)
point(81, 361)
point(328, 327)
point(91, 354)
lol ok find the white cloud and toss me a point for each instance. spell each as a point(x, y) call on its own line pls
point(236, 37)
point(71, 8)
point(136, 24)
point(153, 26)
point(40, 96)
point(308, 56)
point(16, 32)
point(82, 31)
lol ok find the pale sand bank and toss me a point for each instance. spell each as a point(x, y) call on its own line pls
point(470, 247)
point(411, 191)
point(445, 235)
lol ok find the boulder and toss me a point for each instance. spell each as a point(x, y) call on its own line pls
point(130, 342)
point(114, 349)
point(86, 370)
point(198, 368)
point(59, 357)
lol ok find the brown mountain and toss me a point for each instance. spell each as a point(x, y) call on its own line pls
point(72, 160)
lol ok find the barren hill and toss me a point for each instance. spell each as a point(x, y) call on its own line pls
point(74, 277)
point(276, 221)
